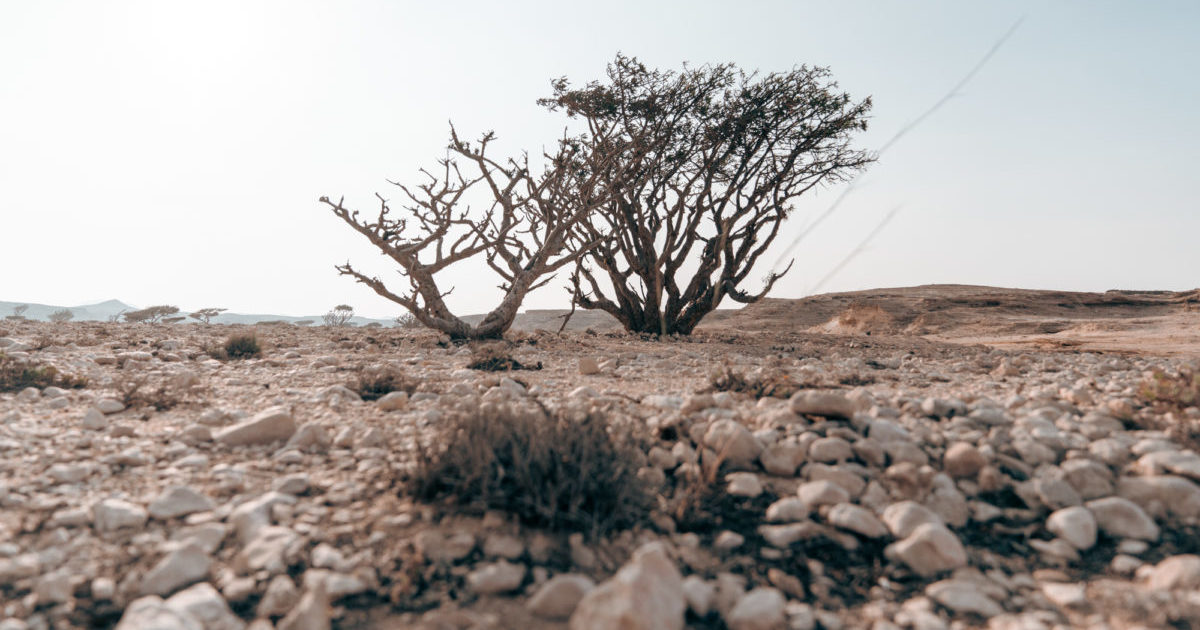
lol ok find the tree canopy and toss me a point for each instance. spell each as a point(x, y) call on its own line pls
point(716, 158)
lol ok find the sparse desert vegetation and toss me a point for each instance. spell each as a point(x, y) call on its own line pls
point(678, 172)
point(525, 335)
point(19, 373)
point(554, 471)
point(206, 314)
point(832, 478)
point(151, 314)
point(242, 346)
point(339, 316)
point(61, 315)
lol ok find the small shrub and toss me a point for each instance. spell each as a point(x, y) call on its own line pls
point(1170, 395)
point(43, 341)
point(17, 374)
point(61, 315)
point(161, 394)
point(243, 346)
point(339, 316)
point(760, 383)
point(700, 503)
point(494, 358)
point(375, 383)
point(1180, 390)
point(854, 379)
point(237, 346)
point(408, 321)
point(549, 471)
point(136, 393)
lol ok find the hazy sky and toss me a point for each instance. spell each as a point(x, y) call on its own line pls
point(173, 152)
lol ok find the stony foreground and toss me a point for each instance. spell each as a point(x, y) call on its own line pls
point(908, 485)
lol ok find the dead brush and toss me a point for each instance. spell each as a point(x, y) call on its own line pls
point(1172, 396)
point(373, 383)
point(1165, 390)
point(242, 346)
point(699, 502)
point(16, 374)
point(43, 341)
point(236, 347)
point(495, 358)
point(765, 382)
point(139, 392)
point(549, 470)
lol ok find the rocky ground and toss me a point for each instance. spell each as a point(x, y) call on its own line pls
point(908, 483)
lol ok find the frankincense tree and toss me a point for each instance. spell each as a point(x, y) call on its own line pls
point(529, 228)
point(721, 157)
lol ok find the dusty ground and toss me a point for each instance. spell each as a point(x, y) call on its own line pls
point(1138, 322)
point(931, 481)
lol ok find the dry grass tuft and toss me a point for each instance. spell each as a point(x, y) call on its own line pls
point(243, 346)
point(549, 471)
point(1180, 390)
point(1174, 396)
point(767, 382)
point(137, 392)
point(374, 383)
point(17, 374)
point(494, 358)
point(238, 346)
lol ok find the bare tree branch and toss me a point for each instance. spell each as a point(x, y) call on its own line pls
point(532, 227)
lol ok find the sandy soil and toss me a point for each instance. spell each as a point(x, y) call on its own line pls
point(1137, 322)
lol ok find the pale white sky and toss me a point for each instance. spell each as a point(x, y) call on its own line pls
point(173, 152)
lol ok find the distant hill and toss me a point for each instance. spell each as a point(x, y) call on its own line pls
point(534, 319)
point(103, 311)
point(85, 312)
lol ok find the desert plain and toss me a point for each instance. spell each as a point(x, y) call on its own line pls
point(924, 458)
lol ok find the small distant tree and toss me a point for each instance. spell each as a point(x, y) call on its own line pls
point(206, 314)
point(18, 312)
point(722, 156)
point(408, 322)
point(116, 317)
point(61, 315)
point(151, 315)
point(339, 316)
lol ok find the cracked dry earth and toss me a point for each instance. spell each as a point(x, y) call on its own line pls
point(908, 484)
